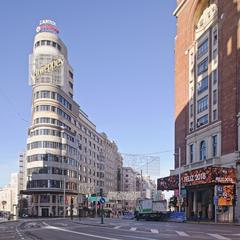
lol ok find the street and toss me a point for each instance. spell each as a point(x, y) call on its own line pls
point(114, 229)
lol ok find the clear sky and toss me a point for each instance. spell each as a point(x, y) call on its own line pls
point(122, 55)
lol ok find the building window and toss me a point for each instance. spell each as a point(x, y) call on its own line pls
point(202, 104)
point(191, 110)
point(214, 97)
point(191, 126)
point(202, 120)
point(59, 47)
point(215, 115)
point(215, 37)
point(43, 42)
point(214, 55)
point(202, 85)
point(37, 44)
point(202, 48)
point(191, 153)
point(214, 76)
point(214, 145)
point(202, 66)
point(70, 84)
point(202, 153)
point(70, 74)
point(48, 42)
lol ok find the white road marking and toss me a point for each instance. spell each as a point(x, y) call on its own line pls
point(80, 233)
point(117, 227)
point(143, 238)
point(182, 234)
point(133, 229)
point(154, 231)
point(217, 236)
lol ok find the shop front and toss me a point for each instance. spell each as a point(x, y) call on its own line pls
point(206, 193)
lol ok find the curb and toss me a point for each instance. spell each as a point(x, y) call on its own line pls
point(9, 221)
point(213, 223)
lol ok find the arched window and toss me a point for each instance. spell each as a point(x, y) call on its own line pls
point(202, 150)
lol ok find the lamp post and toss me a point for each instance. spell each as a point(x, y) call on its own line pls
point(64, 196)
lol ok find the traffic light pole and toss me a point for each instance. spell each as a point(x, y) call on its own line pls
point(101, 195)
point(71, 208)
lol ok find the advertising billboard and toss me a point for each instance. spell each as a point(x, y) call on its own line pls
point(207, 175)
point(46, 68)
point(225, 194)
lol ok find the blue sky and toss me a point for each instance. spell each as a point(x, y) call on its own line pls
point(122, 55)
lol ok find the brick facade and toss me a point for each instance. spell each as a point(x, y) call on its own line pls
point(228, 71)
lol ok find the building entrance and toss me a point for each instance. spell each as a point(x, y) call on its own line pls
point(45, 212)
point(200, 203)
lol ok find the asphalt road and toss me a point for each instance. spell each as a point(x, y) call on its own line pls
point(61, 229)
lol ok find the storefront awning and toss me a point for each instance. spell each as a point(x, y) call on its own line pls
point(207, 175)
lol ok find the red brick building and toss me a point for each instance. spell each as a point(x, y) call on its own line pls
point(207, 100)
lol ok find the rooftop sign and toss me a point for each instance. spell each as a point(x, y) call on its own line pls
point(47, 26)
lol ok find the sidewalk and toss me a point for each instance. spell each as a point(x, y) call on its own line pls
point(213, 223)
point(5, 220)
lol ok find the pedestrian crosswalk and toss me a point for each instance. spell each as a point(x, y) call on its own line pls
point(154, 231)
point(217, 236)
point(182, 234)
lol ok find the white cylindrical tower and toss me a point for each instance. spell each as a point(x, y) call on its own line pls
point(52, 153)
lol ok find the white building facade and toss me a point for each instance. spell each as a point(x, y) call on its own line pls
point(66, 157)
point(9, 195)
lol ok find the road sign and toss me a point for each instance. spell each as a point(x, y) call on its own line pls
point(102, 200)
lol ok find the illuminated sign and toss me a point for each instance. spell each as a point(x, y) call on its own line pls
point(44, 22)
point(47, 68)
point(207, 175)
point(47, 26)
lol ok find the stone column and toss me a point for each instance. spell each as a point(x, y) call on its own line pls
point(195, 202)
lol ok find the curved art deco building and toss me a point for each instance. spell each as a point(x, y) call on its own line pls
point(66, 156)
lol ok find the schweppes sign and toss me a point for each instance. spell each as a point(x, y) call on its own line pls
point(47, 68)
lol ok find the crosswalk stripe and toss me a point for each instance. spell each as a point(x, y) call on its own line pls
point(117, 227)
point(154, 231)
point(182, 234)
point(217, 236)
point(133, 229)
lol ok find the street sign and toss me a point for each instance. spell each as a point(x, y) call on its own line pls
point(93, 199)
point(102, 200)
